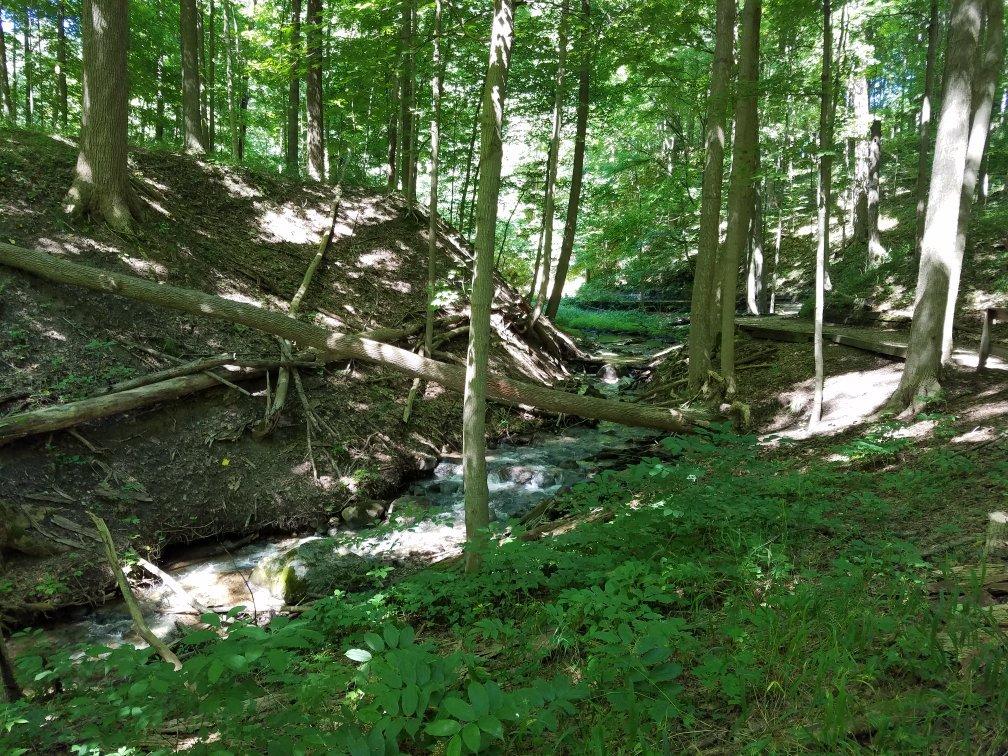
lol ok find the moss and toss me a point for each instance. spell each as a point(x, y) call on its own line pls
point(314, 569)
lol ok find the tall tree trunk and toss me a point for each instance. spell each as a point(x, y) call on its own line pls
point(61, 62)
point(872, 196)
point(740, 190)
point(477, 494)
point(29, 70)
point(982, 104)
point(756, 270)
point(924, 121)
point(392, 134)
point(212, 81)
point(437, 92)
point(101, 185)
point(5, 88)
point(469, 163)
point(313, 86)
point(859, 187)
point(577, 170)
point(703, 299)
point(938, 245)
point(160, 103)
point(293, 160)
point(826, 110)
point(553, 156)
point(201, 55)
point(231, 65)
point(195, 142)
point(407, 104)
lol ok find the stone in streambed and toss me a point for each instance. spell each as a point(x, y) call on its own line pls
point(313, 570)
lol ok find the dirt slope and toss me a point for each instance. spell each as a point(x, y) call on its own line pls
point(189, 470)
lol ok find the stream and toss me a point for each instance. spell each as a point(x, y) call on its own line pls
point(426, 524)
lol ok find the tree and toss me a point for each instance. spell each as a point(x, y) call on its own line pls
point(5, 88)
point(553, 154)
point(407, 96)
point(982, 104)
point(28, 69)
point(577, 171)
point(61, 62)
point(740, 190)
point(704, 296)
point(924, 127)
point(294, 92)
point(195, 137)
point(823, 200)
point(938, 244)
point(477, 494)
point(313, 86)
point(12, 691)
point(101, 185)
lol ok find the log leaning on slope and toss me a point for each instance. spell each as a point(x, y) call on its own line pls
point(339, 345)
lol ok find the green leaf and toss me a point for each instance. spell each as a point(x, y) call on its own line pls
point(479, 699)
point(358, 655)
point(391, 635)
point(442, 728)
point(459, 709)
point(471, 736)
point(454, 747)
point(410, 698)
point(374, 641)
point(491, 726)
point(215, 671)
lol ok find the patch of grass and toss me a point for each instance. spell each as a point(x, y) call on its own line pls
point(571, 315)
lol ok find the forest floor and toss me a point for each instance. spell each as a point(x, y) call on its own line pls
point(189, 470)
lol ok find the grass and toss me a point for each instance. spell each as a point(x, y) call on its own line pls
point(758, 602)
point(637, 322)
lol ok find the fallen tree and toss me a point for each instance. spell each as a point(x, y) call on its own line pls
point(339, 346)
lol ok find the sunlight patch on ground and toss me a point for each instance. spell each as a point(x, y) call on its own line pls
point(977, 436)
point(887, 223)
point(285, 224)
point(145, 267)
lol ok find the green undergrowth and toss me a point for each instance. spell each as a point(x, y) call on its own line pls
point(637, 322)
point(735, 600)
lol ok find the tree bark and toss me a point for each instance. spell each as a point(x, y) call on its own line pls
point(407, 89)
point(101, 185)
point(938, 245)
point(553, 157)
point(212, 81)
point(924, 126)
point(477, 494)
point(757, 269)
point(577, 170)
point(231, 65)
point(826, 110)
point(740, 190)
point(392, 134)
point(12, 691)
point(982, 104)
point(703, 299)
point(61, 62)
point(5, 88)
point(469, 164)
point(339, 346)
point(194, 138)
point(293, 160)
point(313, 86)
point(28, 69)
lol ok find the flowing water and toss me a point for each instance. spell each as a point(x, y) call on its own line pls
point(428, 523)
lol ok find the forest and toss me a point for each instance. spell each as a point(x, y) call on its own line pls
point(529, 376)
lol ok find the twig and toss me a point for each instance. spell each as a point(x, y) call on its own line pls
point(131, 603)
point(174, 584)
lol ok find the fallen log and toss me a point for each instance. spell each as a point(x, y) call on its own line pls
point(60, 416)
point(340, 346)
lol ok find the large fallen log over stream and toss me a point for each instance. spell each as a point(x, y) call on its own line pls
point(340, 346)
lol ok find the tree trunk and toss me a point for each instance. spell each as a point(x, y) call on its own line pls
point(194, 140)
point(982, 104)
point(437, 92)
point(703, 299)
point(924, 124)
point(340, 346)
point(28, 63)
point(293, 160)
point(863, 122)
point(469, 164)
point(313, 85)
point(577, 170)
point(61, 62)
point(101, 185)
point(212, 81)
point(231, 65)
point(756, 270)
point(740, 190)
point(477, 494)
point(392, 133)
point(201, 55)
point(5, 88)
point(826, 110)
point(553, 157)
point(938, 245)
point(407, 96)
point(12, 691)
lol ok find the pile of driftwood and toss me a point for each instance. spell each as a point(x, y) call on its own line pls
point(665, 381)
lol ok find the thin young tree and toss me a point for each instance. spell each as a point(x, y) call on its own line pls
point(703, 300)
point(740, 189)
point(553, 154)
point(195, 138)
point(826, 110)
point(5, 88)
point(477, 493)
point(407, 97)
point(921, 371)
point(982, 106)
point(577, 170)
point(212, 80)
point(292, 158)
point(313, 87)
point(28, 67)
point(61, 62)
point(231, 56)
point(101, 185)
